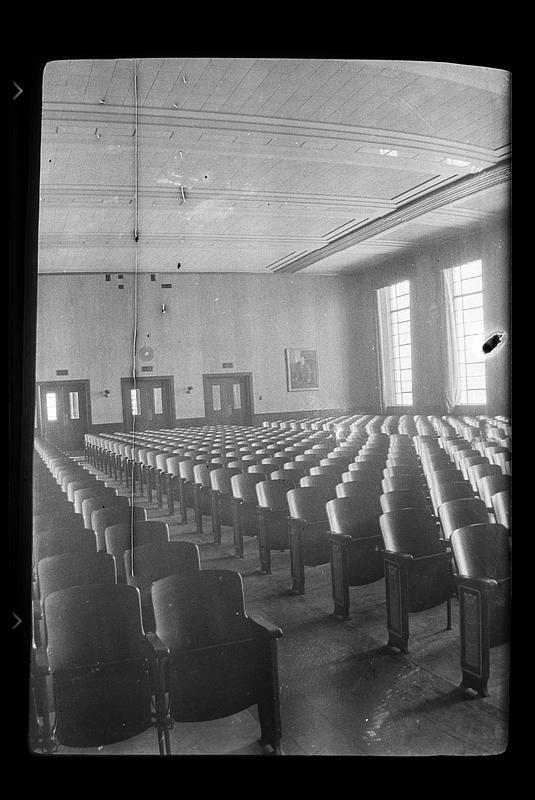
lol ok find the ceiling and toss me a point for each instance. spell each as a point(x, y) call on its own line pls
point(265, 165)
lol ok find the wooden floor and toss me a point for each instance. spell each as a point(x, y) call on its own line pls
point(343, 692)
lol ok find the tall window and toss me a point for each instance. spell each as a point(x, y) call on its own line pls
point(393, 304)
point(465, 332)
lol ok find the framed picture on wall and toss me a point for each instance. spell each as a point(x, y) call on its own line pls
point(302, 369)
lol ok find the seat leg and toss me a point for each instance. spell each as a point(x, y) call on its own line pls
point(269, 705)
point(216, 520)
point(397, 605)
point(449, 626)
point(183, 507)
point(237, 530)
point(170, 498)
point(148, 481)
point(340, 582)
point(297, 564)
point(158, 477)
point(264, 546)
point(197, 506)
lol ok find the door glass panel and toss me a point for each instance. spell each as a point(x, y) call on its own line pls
point(135, 402)
point(216, 397)
point(236, 389)
point(74, 408)
point(158, 409)
point(51, 409)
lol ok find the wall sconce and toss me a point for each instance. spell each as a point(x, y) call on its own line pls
point(107, 392)
point(163, 308)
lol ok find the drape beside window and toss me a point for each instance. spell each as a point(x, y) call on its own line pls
point(385, 346)
point(453, 383)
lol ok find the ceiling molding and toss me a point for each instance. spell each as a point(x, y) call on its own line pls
point(172, 193)
point(461, 188)
point(64, 113)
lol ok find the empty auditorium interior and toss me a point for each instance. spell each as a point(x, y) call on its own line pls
point(272, 451)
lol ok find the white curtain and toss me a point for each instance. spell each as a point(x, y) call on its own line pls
point(385, 346)
point(453, 386)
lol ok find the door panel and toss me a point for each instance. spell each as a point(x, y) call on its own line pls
point(147, 406)
point(227, 399)
point(64, 413)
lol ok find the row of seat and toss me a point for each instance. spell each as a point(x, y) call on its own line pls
point(119, 656)
point(301, 520)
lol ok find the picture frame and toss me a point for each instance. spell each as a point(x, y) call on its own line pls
point(302, 370)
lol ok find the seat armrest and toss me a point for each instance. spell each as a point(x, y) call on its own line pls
point(482, 583)
point(264, 628)
point(406, 557)
point(41, 665)
point(340, 538)
point(159, 649)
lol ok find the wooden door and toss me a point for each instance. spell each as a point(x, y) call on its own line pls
point(228, 399)
point(149, 404)
point(63, 408)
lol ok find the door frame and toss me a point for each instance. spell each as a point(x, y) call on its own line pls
point(247, 375)
point(86, 384)
point(167, 379)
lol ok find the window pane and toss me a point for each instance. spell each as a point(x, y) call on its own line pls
point(476, 383)
point(473, 315)
point(236, 390)
point(473, 300)
point(472, 285)
point(135, 402)
point(471, 270)
point(475, 369)
point(400, 316)
point(74, 409)
point(158, 401)
point(51, 410)
point(216, 397)
point(477, 397)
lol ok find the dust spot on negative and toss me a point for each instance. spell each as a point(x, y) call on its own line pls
point(493, 341)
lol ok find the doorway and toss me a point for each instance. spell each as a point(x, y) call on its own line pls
point(149, 404)
point(64, 413)
point(228, 399)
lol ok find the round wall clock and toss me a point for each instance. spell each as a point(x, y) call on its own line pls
point(146, 353)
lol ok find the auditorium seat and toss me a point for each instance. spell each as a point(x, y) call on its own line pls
point(63, 541)
point(329, 480)
point(355, 546)
point(244, 508)
point(273, 515)
point(102, 518)
point(146, 563)
point(405, 498)
point(442, 493)
point(501, 505)
point(491, 484)
point(477, 471)
point(460, 513)
point(483, 557)
point(90, 504)
point(418, 571)
point(222, 660)
point(104, 669)
point(222, 513)
point(308, 531)
point(123, 536)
